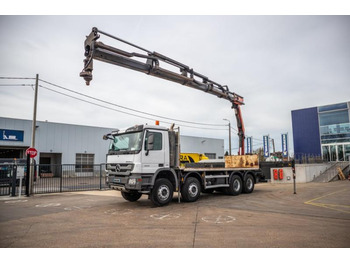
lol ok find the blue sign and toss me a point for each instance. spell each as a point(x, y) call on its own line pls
point(285, 145)
point(266, 146)
point(11, 135)
point(249, 145)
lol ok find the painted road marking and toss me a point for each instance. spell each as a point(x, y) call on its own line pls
point(49, 205)
point(218, 219)
point(76, 208)
point(165, 216)
point(16, 201)
point(118, 211)
point(329, 206)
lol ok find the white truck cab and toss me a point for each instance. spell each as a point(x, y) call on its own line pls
point(137, 156)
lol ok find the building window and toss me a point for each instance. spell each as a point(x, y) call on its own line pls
point(347, 152)
point(210, 155)
point(333, 107)
point(84, 163)
point(333, 118)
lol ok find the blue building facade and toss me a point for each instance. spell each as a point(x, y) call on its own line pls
point(322, 131)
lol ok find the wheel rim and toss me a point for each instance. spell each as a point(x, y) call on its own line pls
point(163, 193)
point(193, 190)
point(236, 185)
point(249, 183)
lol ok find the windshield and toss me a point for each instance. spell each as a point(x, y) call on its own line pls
point(126, 143)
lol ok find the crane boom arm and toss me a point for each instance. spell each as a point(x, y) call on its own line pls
point(99, 51)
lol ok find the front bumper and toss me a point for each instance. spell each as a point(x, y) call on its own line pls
point(124, 183)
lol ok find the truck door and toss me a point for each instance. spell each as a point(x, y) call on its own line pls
point(153, 157)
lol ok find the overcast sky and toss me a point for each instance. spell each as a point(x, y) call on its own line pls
point(277, 63)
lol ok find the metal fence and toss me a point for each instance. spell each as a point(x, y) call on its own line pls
point(53, 178)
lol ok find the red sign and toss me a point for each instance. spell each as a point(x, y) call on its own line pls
point(31, 152)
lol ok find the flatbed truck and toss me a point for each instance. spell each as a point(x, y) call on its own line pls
point(144, 159)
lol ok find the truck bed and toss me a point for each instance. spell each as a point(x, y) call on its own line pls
point(203, 169)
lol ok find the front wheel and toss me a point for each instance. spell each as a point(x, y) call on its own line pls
point(132, 197)
point(162, 192)
point(191, 190)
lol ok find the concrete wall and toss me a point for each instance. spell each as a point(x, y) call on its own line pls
point(303, 173)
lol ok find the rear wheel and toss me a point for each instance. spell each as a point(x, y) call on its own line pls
point(162, 192)
point(131, 196)
point(191, 190)
point(236, 186)
point(248, 186)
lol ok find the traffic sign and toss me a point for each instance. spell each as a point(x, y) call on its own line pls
point(32, 152)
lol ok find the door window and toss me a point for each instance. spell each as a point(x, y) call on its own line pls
point(340, 153)
point(325, 150)
point(157, 140)
point(333, 153)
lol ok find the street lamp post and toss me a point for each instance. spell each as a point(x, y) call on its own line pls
point(229, 134)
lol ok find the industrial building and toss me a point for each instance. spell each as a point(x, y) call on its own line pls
point(59, 143)
point(322, 131)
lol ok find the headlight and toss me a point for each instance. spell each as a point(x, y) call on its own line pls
point(132, 181)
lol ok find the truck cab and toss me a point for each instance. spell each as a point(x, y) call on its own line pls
point(137, 157)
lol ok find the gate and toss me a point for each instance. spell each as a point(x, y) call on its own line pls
point(69, 178)
point(55, 178)
point(11, 175)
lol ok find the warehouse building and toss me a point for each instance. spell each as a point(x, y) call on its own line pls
point(59, 143)
point(322, 131)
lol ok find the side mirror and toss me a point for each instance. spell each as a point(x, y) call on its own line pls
point(150, 141)
point(106, 137)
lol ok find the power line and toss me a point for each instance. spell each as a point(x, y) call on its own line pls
point(127, 108)
point(143, 117)
point(3, 77)
point(103, 101)
point(16, 84)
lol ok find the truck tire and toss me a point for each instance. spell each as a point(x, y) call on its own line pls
point(131, 196)
point(191, 190)
point(162, 192)
point(248, 186)
point(236, 186)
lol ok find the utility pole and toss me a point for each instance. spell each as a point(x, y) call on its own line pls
point(229, 134)
point(31, 178)
point(273, 148)
point(273, 145)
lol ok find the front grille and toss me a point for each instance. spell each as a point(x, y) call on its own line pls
point(120, 169)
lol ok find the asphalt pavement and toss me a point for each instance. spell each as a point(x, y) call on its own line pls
point(272, 216)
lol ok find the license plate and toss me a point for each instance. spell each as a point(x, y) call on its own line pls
point(116, 180)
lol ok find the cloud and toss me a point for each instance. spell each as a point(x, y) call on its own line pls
point(278, 63)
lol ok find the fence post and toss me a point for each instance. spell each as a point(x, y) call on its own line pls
point(61, 177)
point(294, 182)
point(14, 178)
point(27, 176)
point(100, 176)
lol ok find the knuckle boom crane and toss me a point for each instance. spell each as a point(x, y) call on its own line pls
point(186, 76)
